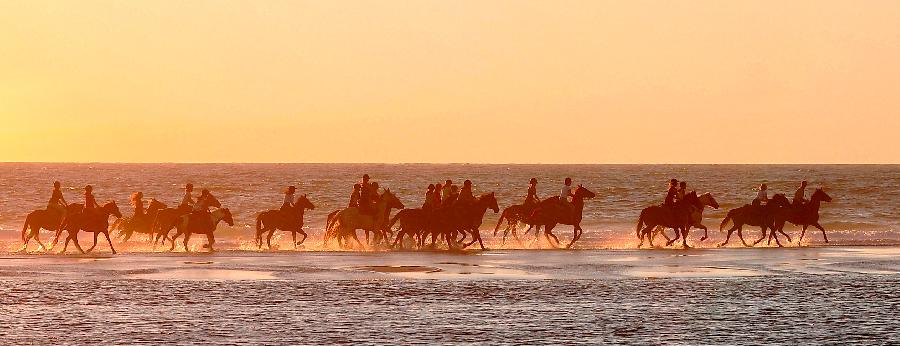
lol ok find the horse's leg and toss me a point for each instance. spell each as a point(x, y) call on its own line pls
point(187, 238)
point(66, 243)
point(77, 244)
point(817, 225)
point(294, 239)
point(37, 238)
point(211, 238)
point(177, 233)
point(741, 235)
point(269, 238)
point(761, 237)
point(673, 240)
point(781, 230)
point(576, 234)
point(106, 233)
point(802, 233)
point(728, 235)
point(96, 234)
point(548, 232)
point(684, 234)
point(705, 231)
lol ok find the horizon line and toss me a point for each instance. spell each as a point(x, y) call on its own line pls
point(454, 163)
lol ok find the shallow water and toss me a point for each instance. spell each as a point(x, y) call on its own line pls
point(834, 295)
point(864, 211)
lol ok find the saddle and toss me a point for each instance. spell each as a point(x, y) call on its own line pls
point(202, 219)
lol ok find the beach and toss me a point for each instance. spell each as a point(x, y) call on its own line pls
point(821, 295)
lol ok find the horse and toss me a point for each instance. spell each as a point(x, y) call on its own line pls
point(127, 226)
point(95, 222)
point(695, 219)
point(550, 212)
point(49, 219)
point(762, 216)
point(676, 217)
point(412, 223)
point(289, 220)
point(459, 218)
point(804, 215)
point(513, 215)
point(189, 224)
point(167, 219)
point(347, 221)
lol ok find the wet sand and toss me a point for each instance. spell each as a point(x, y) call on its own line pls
point(706, 296)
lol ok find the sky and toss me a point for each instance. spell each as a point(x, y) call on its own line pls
point(450, 81)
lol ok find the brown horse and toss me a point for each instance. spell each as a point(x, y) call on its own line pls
point(127, 226)
point(550, 212)
point(465, 219)
point(189, 224)
point(751, 215)
point(48, 219)
point(514, 214)
point(412, 224)
point(168, 218)
point(289, 220)
point(676, 217)
point(96, 222)
point(347, 221)
point(802, 215)
point(694, 220)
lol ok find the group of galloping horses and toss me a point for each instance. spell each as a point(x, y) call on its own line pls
point(448, 226)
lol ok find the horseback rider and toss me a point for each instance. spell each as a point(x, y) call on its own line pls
point(800, 195)
point(429, 198)
point(762, 196)
point(187, 202)
point(200, 212)
point(288, 198)
point(90, 203)
point(531, 198)
point(564, 195)
point(355, 195)
point(447, 190)
point(438, 201)
point(452, 196)
point(137, 201)
point(57, 201)
point(465, 194)
point(682, 189)
point(671, 193)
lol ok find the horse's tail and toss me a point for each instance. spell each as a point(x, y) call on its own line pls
point(395, 218)
point(25, 226)
point(640, 224)
point(727, 218)
point(500, 220)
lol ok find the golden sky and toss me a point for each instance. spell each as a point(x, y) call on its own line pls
point(450, 81)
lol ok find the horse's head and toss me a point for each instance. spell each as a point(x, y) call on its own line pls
point(226, 216)
point(113, 209)
point(304, 203)
point(820, 195)
point(156, 205)
point(214, 202)
point(391, 199)
point(779, 200)
point(583, 193)
point(708, 199)
point(490, 200)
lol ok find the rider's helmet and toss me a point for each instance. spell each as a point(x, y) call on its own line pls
point(204, 192)
point(88, 188)
point(467, 183)
point(189, 187)
point(568, 181)
point(55, 184)
point(291, 189)
point(533, 181)
point(764, 187)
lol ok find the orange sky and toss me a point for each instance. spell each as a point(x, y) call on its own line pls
point(450, 81)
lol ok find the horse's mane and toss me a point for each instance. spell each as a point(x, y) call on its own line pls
point(485, 195)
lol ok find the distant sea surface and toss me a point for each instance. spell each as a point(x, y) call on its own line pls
point(865, 210)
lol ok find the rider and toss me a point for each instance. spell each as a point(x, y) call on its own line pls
point(365, 194)
point(671, 193)
point(438, 201)
point(762, 196)
point(137, 201)
point(800, 194)
point(355, 195)
point(565, 193)
point(532, 198)
point(465, 195)
point(187, 202)
point(288, 198)
point(682, 189)
point(429, 198)
point(89, 202)
point(447, 190)
point(57, 201)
